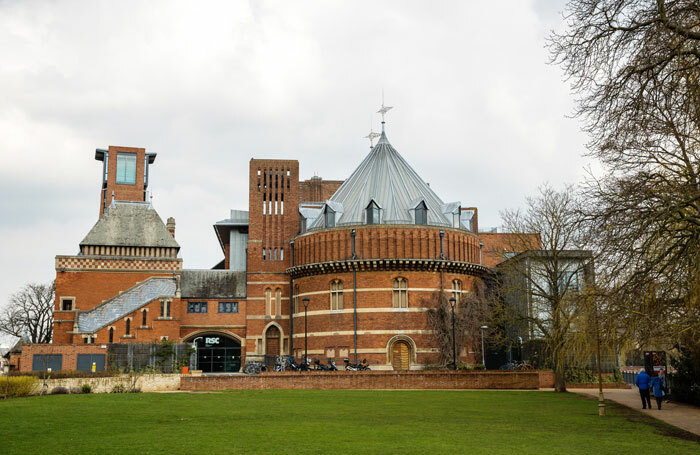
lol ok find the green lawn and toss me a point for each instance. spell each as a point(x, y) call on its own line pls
point(329, 422)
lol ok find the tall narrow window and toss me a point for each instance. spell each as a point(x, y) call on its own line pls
point(336, 295)
point(329, 217)
point(372, 213)
point(296, 298)
point(126, 168)
point(456, 289)
point(422, 213)
point(281, 254)
point(143, 318)
point(268, 301)
point(111, 334)
point(400, 293)
point(263, 254)
point(278, 302)
point(128, 327)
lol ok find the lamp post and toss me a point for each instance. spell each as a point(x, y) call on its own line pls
point(306, 334)
point(453, 302)
point(483, 355)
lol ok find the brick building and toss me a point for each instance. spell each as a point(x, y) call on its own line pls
point(359, 262)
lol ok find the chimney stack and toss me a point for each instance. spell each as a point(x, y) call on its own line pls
point(171, 226)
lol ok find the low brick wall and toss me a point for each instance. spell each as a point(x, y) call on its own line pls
point(546, 379)
point(146, 382)
point(367, 380)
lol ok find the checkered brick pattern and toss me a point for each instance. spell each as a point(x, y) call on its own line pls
point(80, 263)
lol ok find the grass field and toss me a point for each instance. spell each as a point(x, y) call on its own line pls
point(316, 421)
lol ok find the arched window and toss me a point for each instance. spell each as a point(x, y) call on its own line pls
point(111, 334)
point(372, 213)
point(143, 318)
point(128, 327)
point(296, 298)
point(400, 293)
point(268, 302)
point(456, 289)
point(329, 217)
point(336, 295)
point(278, 302)
point(422, 213)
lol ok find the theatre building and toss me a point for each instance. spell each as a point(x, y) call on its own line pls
point(359, 261)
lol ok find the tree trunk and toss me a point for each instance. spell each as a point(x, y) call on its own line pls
point(559, 373)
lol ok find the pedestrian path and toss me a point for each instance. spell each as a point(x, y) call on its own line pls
point(680, 415)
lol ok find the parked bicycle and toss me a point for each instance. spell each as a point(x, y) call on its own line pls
point(254, 368)
point(517, 366)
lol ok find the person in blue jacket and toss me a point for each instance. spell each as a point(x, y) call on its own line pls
point(658, 384)
point(642, 382)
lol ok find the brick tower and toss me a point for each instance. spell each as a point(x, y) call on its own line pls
point(124, 174)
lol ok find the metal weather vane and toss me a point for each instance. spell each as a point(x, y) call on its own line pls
point(372, 136)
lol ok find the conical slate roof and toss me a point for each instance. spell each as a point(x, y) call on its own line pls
point(385, 177)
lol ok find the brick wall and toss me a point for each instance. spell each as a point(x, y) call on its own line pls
point(367, 380)
point(413, 242)
point(69, 351)
point(316, 189)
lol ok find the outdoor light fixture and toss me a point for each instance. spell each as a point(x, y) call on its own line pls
point(453, 302)
point(483, 357)
point(306, 333)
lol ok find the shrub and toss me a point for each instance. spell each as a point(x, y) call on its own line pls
point(86, 388)
point(60, 390)
point(118, 388)
point(685, 381)
point(135, 390)
point(75, 390)
point(20, 386)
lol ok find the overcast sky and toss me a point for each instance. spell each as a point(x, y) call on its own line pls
point(478, 112)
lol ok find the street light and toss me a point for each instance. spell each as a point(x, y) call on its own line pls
point(483, 356)
point(306, 334)
point(453, 302)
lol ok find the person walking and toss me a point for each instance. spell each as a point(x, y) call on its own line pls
point(642, 382)
point(658, 384)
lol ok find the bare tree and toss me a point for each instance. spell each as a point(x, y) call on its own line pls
point(471, 312)
point(540, 292)
point(30, 313)
point(635, 66)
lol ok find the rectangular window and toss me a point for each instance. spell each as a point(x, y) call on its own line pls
point(66, 304)
point(164, 308)
point(126, 168)
point(196, 307)
point(228, 307)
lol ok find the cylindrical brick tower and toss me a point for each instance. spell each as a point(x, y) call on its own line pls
point(370, 265)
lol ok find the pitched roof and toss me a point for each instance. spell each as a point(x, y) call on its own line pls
point(130, 224)
point(385, 177)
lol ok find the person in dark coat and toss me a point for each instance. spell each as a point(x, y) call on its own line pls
point(658, 384)
point(642, 382)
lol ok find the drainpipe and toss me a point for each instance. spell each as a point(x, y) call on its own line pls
point(442, 243)
point(291, 305)
point(354, 293)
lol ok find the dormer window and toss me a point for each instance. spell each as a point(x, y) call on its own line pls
point(329, 217)
point(421, 213)
point(372, 213)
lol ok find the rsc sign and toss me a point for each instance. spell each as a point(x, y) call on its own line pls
point(212, 340)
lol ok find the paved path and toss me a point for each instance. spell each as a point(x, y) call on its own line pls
point(683, 416)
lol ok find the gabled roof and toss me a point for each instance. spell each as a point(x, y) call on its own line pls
point(388, 179)
point(130, 224)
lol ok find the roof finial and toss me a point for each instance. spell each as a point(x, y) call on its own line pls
point(372, 136)
point(383, 110)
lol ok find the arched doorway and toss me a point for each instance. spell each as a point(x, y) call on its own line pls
point(272, 341)
point(401, 355)
point(218, 353)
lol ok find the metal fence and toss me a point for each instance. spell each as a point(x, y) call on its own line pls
point(149, 357)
